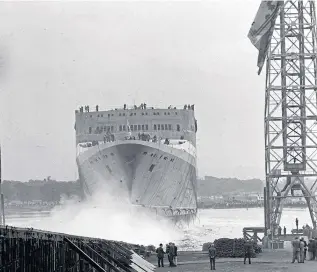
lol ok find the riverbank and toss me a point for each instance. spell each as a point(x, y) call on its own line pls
point(243, 205)
point(18, 210)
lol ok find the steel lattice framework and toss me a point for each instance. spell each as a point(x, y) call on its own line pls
point(291, 111)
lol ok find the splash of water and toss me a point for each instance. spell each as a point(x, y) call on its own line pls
point(109, 215)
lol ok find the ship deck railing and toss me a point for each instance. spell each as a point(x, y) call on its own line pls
point(182, 143)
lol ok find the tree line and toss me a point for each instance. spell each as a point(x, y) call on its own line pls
point(218, 186)
point(44, 190)
point(52, 190)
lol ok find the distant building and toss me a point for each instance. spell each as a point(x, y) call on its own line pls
point(15, 203)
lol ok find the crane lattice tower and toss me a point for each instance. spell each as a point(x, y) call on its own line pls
point(291, 111)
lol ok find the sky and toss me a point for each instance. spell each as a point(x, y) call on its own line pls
point(57, 56)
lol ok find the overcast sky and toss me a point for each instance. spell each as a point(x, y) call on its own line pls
point(60, 55)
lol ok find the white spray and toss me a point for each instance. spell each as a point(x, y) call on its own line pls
point(109, 215)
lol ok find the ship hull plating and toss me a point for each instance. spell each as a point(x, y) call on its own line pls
point(153, 175)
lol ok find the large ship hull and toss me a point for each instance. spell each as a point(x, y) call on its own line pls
point(153, 175)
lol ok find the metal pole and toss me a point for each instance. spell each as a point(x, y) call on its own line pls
point(269, 203)
point(265, 212)
point(2, 217)
point(1, 223)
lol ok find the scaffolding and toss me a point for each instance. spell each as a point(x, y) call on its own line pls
point(291, 111)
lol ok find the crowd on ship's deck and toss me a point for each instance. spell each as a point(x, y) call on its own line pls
point(109, 137)
point(143, 106)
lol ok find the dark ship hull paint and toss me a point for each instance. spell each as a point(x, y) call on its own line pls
point(153, 175)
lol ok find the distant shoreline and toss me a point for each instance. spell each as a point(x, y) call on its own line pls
point(18, 210)
point(244, 205)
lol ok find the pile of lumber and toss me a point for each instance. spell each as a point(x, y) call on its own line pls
point(232, 248)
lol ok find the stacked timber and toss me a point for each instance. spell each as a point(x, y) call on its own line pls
point(232, 248)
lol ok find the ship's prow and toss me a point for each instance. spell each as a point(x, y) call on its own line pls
point(148, 153)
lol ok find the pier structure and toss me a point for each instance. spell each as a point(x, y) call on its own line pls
point(30, 250)
point(252, 233)
point(291, 111)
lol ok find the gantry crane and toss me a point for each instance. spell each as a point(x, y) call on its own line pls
point(290, 105)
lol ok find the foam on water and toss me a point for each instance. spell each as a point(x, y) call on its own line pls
point(109, 216)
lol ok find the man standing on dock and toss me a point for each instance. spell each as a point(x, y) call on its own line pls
point(247, 251)
point(279, 230)
point(175, 254)
point(296, 246)
point(314, 248)
point(168, 252)
point(301, 250)
point(212, 256)
point(296, 221)
point(305, 249)
point(171, 254)
point(160, 256)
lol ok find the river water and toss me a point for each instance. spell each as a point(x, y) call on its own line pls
point(131, 226)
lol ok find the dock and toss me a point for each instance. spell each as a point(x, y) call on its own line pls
point(29, 250)
point(269, 260)
point(253, 233)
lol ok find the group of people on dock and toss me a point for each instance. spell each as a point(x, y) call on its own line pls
point(280, 231)
point(171, 251)
point(300, 248)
